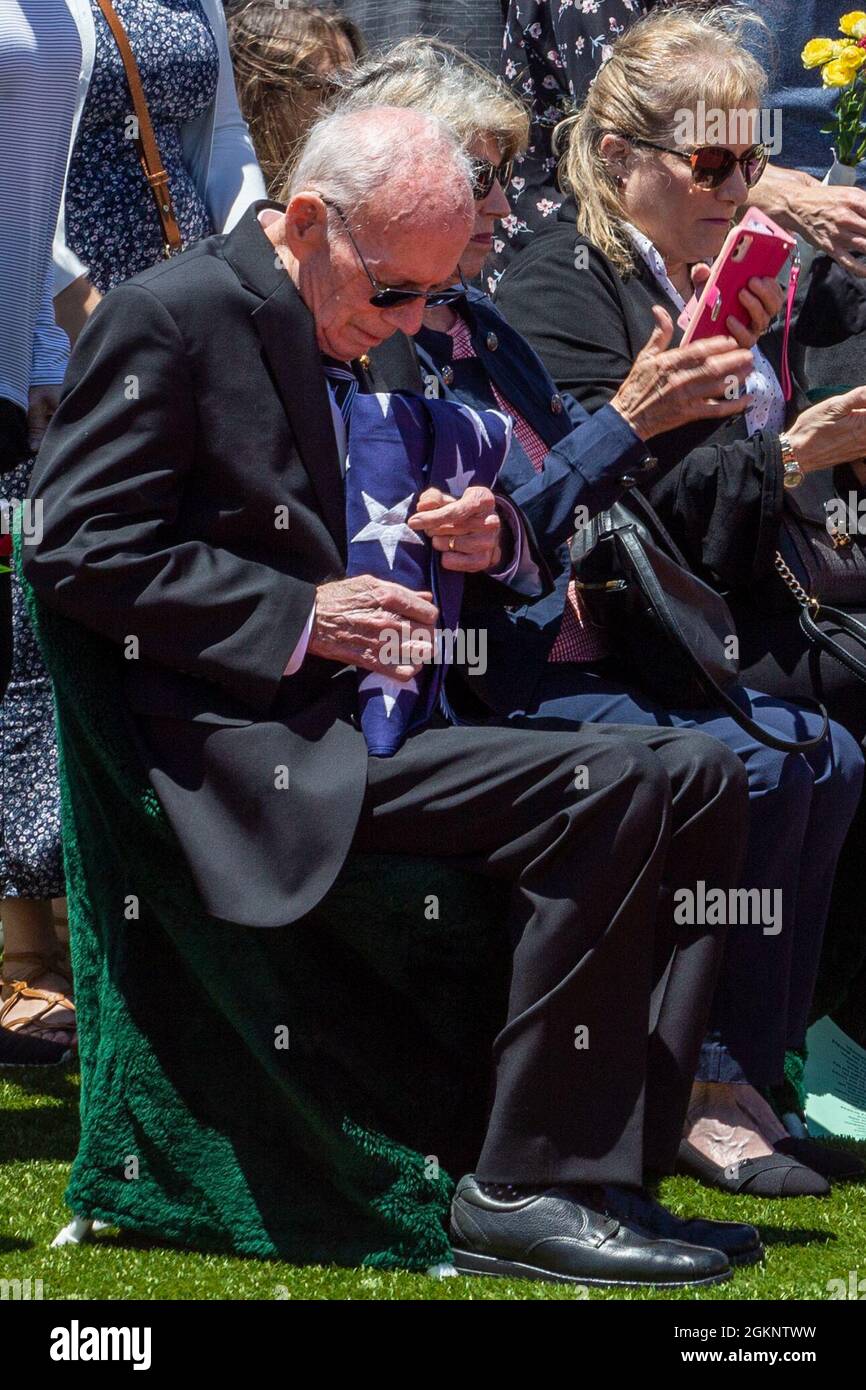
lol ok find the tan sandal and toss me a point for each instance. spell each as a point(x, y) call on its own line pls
point(36, 1024)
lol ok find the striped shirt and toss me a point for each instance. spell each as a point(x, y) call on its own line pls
point(40, 64)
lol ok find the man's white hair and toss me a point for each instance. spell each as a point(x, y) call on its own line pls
point(387, 156)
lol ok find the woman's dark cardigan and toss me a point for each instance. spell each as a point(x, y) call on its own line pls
point(718, 490)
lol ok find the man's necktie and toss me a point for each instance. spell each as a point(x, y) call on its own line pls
point(400, 445)
point(344, 385)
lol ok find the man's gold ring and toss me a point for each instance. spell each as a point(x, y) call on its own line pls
point(451, 543)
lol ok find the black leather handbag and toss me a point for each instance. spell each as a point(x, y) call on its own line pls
point(672, 634)
point(822, 563)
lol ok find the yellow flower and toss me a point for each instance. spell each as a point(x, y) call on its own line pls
point(844, 69)
point(854, 23)
point(816, 52)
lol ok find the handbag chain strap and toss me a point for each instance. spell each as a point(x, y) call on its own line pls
point(811, 613)
point(151, 159)
point(794, 585)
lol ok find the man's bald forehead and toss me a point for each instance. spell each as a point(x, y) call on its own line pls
point(384, 155)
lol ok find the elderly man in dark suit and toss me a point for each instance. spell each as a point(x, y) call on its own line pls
point(196, 410)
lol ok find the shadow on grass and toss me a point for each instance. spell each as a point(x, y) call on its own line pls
point(30, 1135)
point(793, 1235)
point(118, 1239)
point(44, 1081)
point(10, 1246)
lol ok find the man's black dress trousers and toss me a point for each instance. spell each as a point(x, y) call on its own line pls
point(594, 827)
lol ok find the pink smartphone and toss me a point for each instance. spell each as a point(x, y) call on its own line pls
point(756, 246)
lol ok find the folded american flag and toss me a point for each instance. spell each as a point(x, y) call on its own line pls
point(398, 446)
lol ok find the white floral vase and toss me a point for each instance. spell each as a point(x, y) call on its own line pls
point(845, 174)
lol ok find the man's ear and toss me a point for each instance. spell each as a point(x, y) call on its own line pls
point(306, 228)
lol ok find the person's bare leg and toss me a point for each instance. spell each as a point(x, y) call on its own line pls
point(29, 935)
point(762, 1113)
point(730, 1123)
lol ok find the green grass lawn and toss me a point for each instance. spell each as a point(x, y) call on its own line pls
point(809, 1241)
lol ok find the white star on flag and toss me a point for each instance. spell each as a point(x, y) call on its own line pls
point(388, 526)
point(458, 484)
point(389, 688)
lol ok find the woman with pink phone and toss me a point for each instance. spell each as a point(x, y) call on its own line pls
point(650, 215)
point(755, 247)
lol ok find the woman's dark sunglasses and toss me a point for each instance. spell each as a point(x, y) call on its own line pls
point(711, 165)
point(485, 174)
point(385, 297)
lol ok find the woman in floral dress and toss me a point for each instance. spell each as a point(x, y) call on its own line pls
point(551, 52)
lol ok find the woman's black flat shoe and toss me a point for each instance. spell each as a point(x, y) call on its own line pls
point(22, 1050)
point(775, 1175)
point(835, 1164)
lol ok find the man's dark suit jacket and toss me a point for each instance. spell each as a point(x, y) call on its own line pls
point(195, 410)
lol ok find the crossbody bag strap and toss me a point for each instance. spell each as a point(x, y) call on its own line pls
point(811, 610)
point(151, 159)
point(653, 590)
point(845, 623)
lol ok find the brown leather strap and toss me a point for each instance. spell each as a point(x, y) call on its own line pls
point(151, 159)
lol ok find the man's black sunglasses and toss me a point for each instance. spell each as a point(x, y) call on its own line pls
point(385, 296)
point(485, 174)
point(711, 165)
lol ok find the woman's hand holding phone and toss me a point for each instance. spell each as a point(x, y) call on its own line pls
point(763, 298)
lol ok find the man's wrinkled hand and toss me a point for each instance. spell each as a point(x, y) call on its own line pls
point(832, 218)
point(466, 529)
point(361, 621)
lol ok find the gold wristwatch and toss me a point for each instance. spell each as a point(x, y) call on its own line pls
point(792, 473)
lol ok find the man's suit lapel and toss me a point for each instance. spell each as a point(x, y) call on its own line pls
point(289, 343)
point(287, 332)
point(393, 366)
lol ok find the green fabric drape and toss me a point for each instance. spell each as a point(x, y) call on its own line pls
point(302, 1092)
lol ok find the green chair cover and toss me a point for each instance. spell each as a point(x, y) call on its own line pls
point(302, 1092)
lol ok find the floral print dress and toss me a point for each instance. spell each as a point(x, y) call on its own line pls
point(111, 219)
point(552, 49)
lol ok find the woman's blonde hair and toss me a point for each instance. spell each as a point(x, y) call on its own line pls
point(430, 75)
point(282, 57)
point(660, 68)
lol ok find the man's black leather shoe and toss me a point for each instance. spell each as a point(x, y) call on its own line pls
point(638, 1209)
point(555, 1235)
